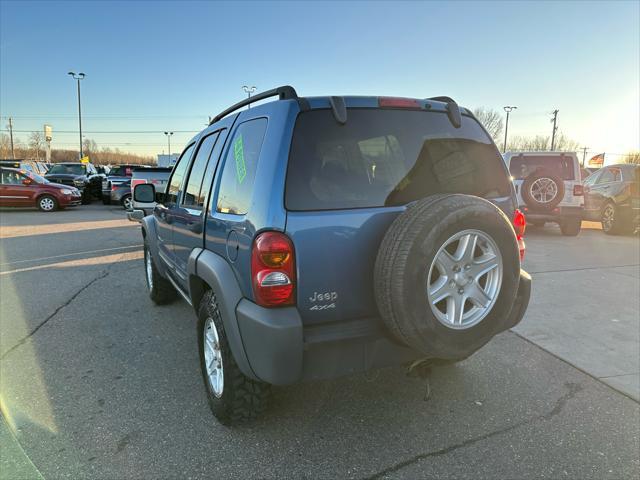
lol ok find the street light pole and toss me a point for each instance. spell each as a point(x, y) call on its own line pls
point(168, 134)
point(79, 77)
point(507, 109)
point(249, 91)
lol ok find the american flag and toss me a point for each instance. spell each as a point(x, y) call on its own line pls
point(597, 160)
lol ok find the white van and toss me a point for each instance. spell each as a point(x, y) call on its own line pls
point(549, 188)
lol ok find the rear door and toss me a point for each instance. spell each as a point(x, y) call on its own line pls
point(188, 217)
point(600, 191)
point(346, 184)
point(164, 212)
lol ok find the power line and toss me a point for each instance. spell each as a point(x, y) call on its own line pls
point(108, 131)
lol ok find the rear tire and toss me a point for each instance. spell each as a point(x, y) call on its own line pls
point(571, 227)
point(542, 190)
point(233, 397)
point(126, 202)
point(610, 219)
point(410, 264)
point(47, 203)
point(160, 289)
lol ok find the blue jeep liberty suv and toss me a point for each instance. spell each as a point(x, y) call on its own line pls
point(323, 236)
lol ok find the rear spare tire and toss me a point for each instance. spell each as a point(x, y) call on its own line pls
point(446, 275)
point(542, 190)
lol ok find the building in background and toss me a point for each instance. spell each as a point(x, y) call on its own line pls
point(167, 160)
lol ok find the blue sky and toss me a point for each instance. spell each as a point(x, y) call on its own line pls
point(154, 66)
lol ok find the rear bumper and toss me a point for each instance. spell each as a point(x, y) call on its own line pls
point(281, 351)
point(555, 215)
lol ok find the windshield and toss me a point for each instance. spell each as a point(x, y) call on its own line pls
point(388, 157)
point(68, 169)
point(121, 171)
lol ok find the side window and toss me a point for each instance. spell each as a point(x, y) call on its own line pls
point(590, 180)
point(10, 177)
point(240, 165)
point(193, 196)
point(606, 177)
point(617, 174)
point(178, 175)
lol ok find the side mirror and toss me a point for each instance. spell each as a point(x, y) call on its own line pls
point(144, 193)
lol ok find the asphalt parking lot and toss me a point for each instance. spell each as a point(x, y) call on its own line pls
point(97, 382)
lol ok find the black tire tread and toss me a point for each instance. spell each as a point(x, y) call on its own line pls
point(243, 399)
point(162, 292)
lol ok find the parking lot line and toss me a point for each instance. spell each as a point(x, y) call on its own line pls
point(31, 230)
point(87, 252)
point(82, 262)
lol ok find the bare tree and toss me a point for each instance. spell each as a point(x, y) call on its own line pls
point(36, 144)
point(89, 147)
point(632, 157)
point(5, 146)
point(541, 143)
point(492, 121)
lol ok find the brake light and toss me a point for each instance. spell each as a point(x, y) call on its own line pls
point(519, 225)
point(398, 102)
point(578, 190)
point(273, 270)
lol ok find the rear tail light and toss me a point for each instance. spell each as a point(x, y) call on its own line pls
point(578, 190)
point(519, 225)
point(273, 270)
point(396, 102)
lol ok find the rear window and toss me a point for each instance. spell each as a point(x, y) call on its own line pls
point(521, 166)
point(388, 157)
point(122, 171)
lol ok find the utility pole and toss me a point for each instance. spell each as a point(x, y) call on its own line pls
point(555, 128)
point(507, 109)
point(584, 155)
point(13, 155)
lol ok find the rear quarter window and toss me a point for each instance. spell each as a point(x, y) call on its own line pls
point(240, 166)
point(388, 157)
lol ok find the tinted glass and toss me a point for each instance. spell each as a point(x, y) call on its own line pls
point(178, 175)
point(240, 166)
point(193, 196)
point(607, 176)
point(10, 177)
point(388, 157)
point(73, 169)
point(522, 166)
point(122, 171)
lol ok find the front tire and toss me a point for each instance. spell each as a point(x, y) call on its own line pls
point(160, 289)
point(47, 203)
point(571, 227)
point(610, 219)
point(233, 397)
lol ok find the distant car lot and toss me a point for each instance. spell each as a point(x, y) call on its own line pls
point(114, 387)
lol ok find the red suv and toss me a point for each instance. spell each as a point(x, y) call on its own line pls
point(19, 188)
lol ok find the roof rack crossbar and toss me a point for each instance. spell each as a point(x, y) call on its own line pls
point(285, 92)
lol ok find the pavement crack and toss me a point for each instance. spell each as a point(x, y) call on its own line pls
point(55, 312)
point(603, 267)
point(572, 391)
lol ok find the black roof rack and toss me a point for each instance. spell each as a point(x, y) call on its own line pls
point(285, 92)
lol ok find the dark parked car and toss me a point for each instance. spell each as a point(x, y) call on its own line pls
point(116, 186)
point(322, 236)
point(82, 176)
point(612, 196)
point(21, 188)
